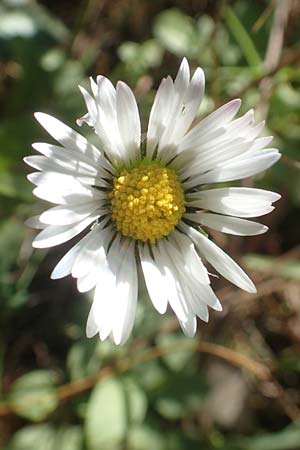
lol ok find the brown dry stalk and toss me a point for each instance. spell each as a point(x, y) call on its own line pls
point(74, 388)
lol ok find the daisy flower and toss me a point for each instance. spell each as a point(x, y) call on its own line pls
point(146, 201)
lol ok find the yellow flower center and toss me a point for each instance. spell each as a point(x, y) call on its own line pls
point(147, 201)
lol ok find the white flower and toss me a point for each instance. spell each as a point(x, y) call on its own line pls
point(144, 202)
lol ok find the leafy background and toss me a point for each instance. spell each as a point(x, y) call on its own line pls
point(236, 385)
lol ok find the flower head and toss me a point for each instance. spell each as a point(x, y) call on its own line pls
point(147, 202)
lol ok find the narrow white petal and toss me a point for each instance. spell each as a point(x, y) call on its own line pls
point(89, 280)
point(91, 259)
point(174, 293)
point(77, 169)
point(210, 158)
point(63, 215)
point(105, 298)
point(215, 120)
point(128, 120)
point(220, 260)
point(190, 326)
point(196, 293)
point(91, 106)
point(243, 202)
point(191, 259)
point(169, 272)
point(206, 294)
point(159, 114)
point(153, 279)
point(91, 325)
point(226, 224)
point(261, 143)
point(70, 158)
point(67, 137)
point(181, 122)
point(126, 291)
point(239, 168)
point(63, 189)
point(92, 253)
point(185, 282)
point(64, 266)
point(104, 303)
point(55, 235)
point(168, 142)
point(197, 305)
point(34, 222)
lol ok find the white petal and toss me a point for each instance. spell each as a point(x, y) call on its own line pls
point(226, 224)
point(77, 169)
point(196, 294)
point(64, 266)
point(204, 293)
point(70, 158)
point(88, 281)
point(211, 158)
point(89, 264)
point(63, 215)
point(127, 284)
point(191, 259)
point(159, 114)
point(34, 222)
point(91, 254)
point(107, 125)
point(63, 189)
point(168, 142)
point(196, 304)
point(185, 286)
point(91, 325)
point(91, 106)
point(67, 137)
point(190, 326)
point(220, 260)
point(243, 202)
point(105, 303)
point(167, 267)
point(128, 120)
point(215, 120)
point(112, 311)
point(153, 279)
point(191, 103)
point(237, 169)
point(55, 235)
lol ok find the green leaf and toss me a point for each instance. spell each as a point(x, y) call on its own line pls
point(14, 186)
point(33, 395)
point(106, 416)
point(182, 394)
point(144, 438)
point(176, 32)
point(69, 438)
point(116, 404)
point(176, 360)
point(136, 401)
point(286, 439)
point(11, 236)
point(80, 359)
point(46, 437)
point(31, 437)
point(242, 37)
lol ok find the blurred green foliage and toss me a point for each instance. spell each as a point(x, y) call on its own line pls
point(62, 391)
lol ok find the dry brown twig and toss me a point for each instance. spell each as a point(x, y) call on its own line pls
point(72, 389)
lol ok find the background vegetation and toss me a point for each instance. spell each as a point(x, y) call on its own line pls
point(236, 386)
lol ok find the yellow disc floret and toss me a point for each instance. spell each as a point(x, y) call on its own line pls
point(147, 201)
